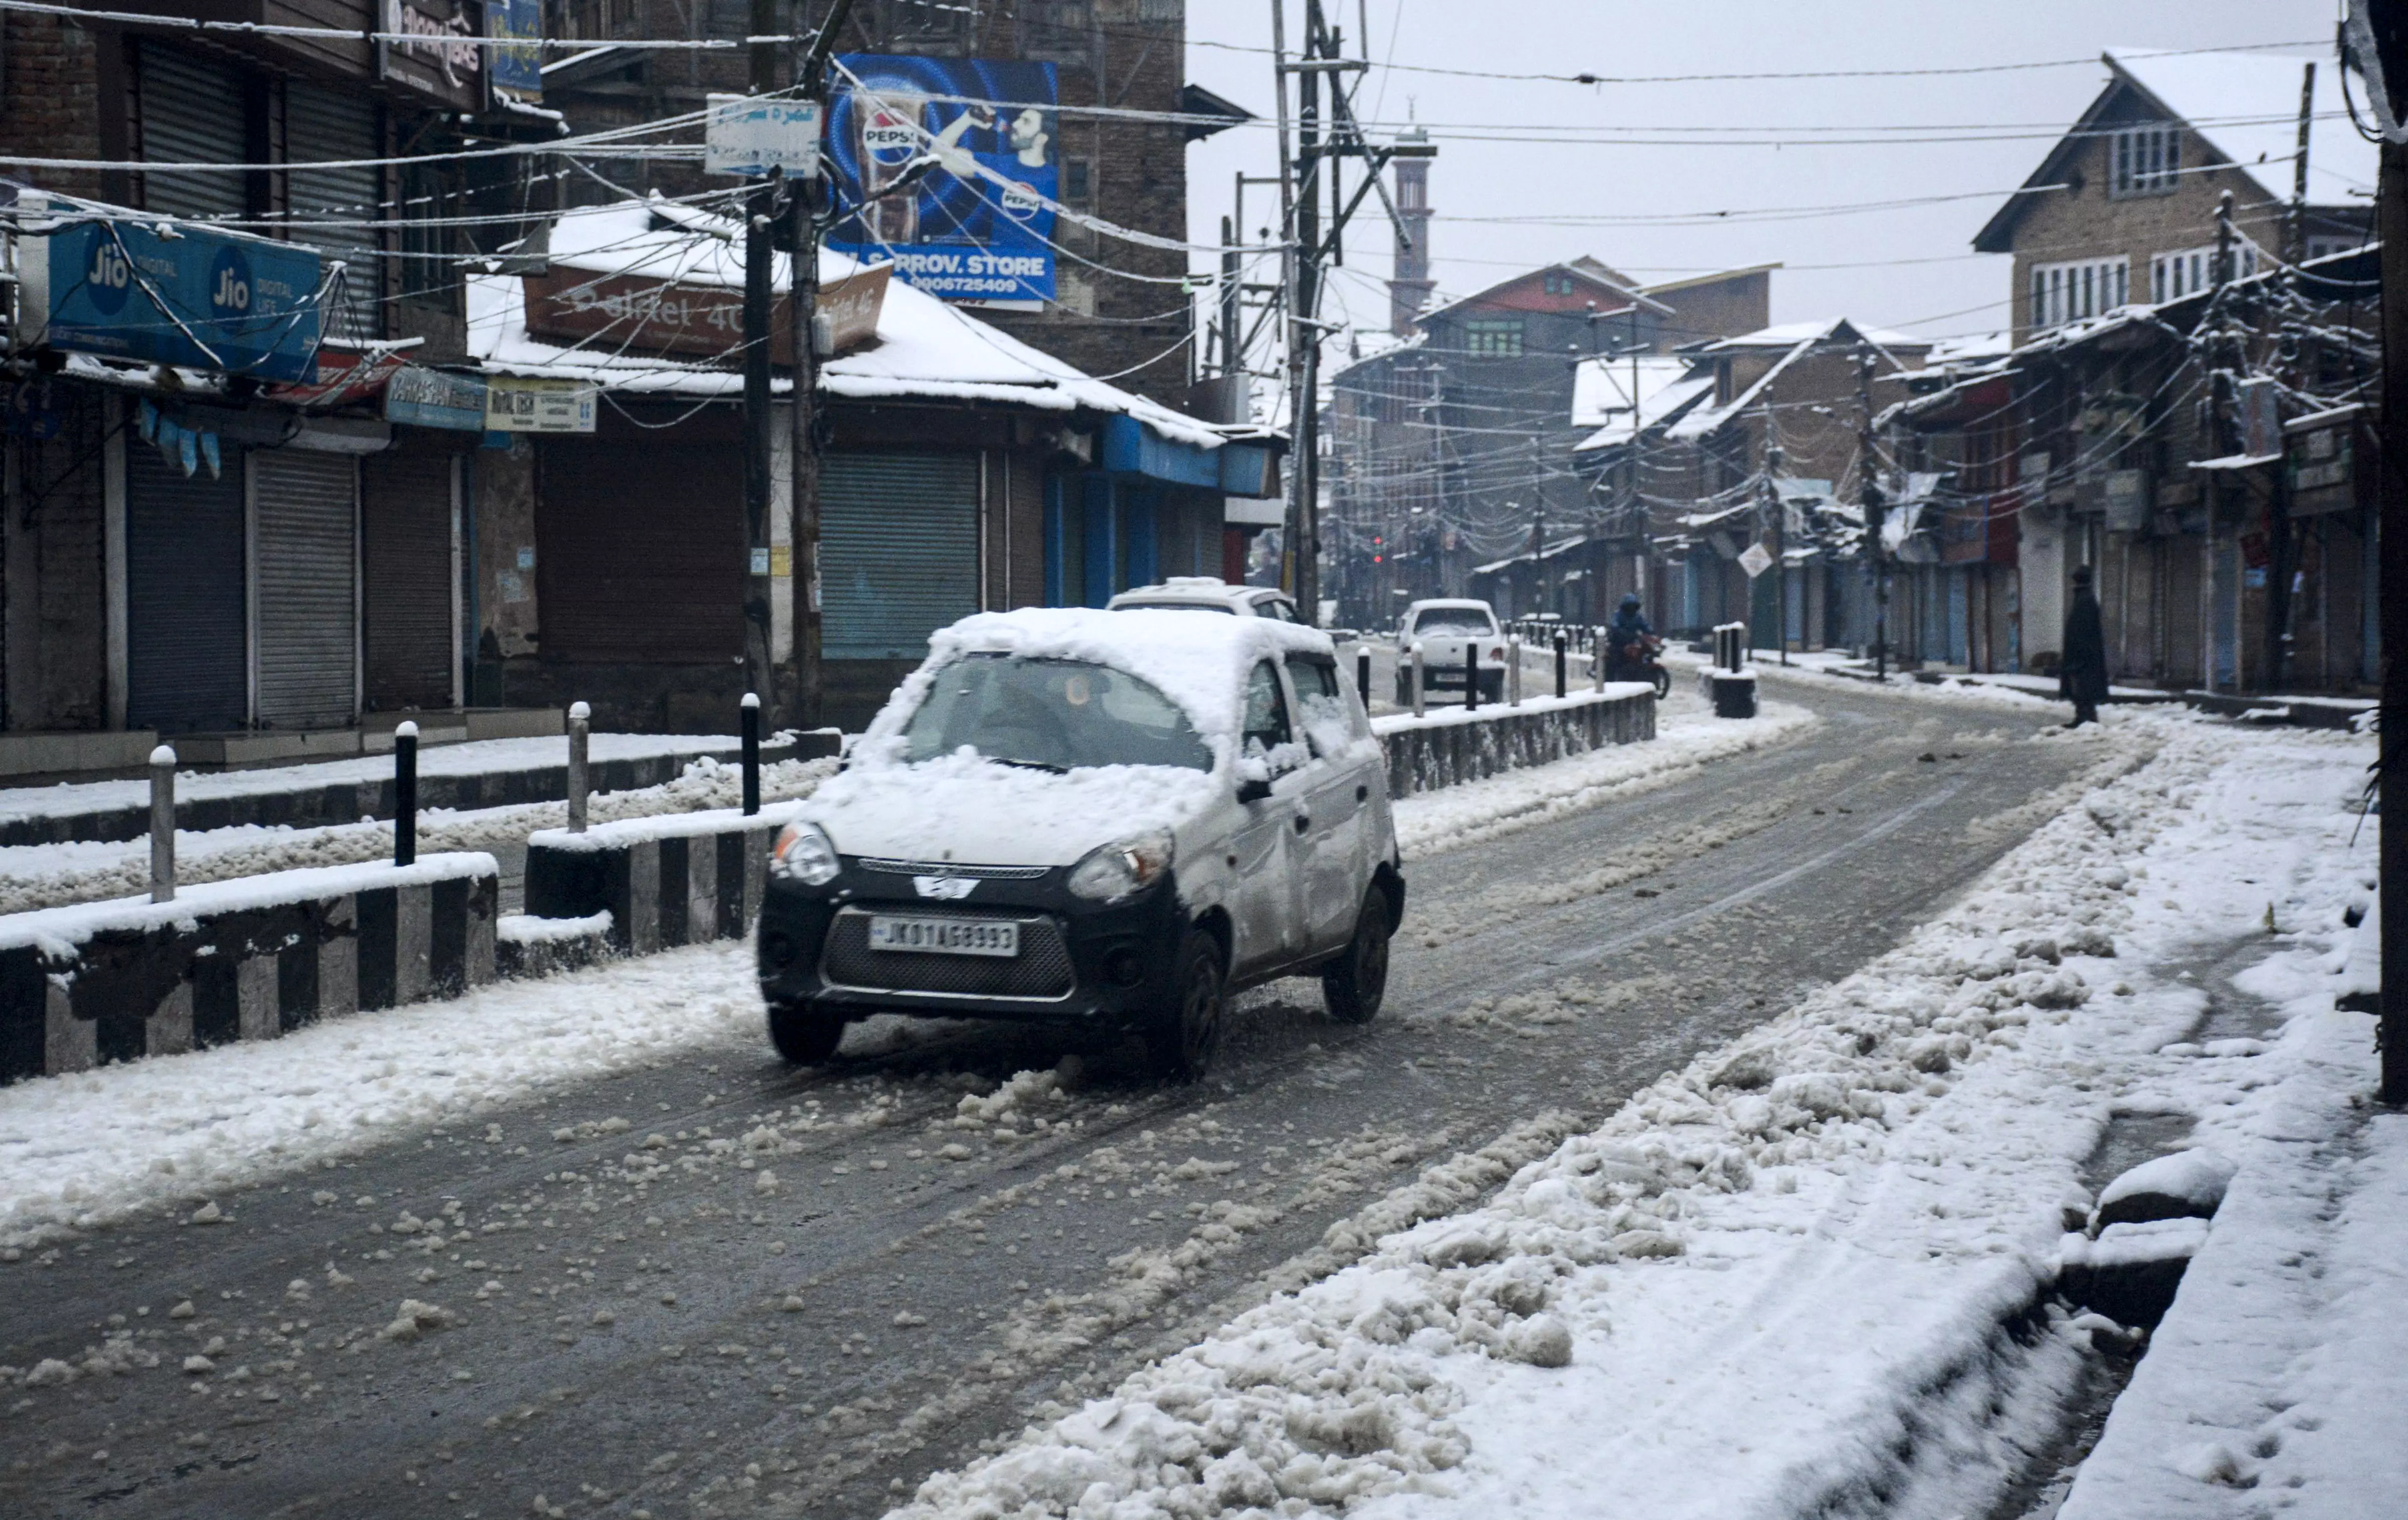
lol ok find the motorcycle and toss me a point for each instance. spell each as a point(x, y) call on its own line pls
point(1640, 661)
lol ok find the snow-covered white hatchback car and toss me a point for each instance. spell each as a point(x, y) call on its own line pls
point(1114, 819)
point(1207, 594)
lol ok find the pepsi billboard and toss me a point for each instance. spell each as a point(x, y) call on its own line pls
point(198, 299)
point(956, 232)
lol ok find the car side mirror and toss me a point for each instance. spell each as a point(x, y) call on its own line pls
point(1255, 789)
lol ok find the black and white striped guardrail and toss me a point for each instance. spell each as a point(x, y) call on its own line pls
point(245, 959)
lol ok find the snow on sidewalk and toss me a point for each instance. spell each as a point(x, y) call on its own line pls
point(1807, 1275)
point(78, 1151)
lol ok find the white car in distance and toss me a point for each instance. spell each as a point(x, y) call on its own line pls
point(1445, 629)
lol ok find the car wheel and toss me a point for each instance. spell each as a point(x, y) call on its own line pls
point(805, 1036)
point(1186, 1033)
point(1663, 684)
point(1353, 985)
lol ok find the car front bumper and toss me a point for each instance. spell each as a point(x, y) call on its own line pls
point(1079, 959)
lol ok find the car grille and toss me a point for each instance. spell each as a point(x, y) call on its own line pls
point(1041, 971)
point(947, 868)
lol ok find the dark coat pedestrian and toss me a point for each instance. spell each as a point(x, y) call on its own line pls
point(2082, 677)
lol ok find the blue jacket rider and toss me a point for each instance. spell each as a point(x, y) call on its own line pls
point(1628, 625)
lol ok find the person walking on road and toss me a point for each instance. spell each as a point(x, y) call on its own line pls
point(2082, 677)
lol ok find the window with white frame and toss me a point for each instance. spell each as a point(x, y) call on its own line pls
point(2324, 245)
point(2189, 270)
point(2144, 160)
point(2063, 292)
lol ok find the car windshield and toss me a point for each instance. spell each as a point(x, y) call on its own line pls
point(1452, 620)
point(1050, 715)
point(1174, 606)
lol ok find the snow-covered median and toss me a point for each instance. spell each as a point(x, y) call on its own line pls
point(1808, 1274)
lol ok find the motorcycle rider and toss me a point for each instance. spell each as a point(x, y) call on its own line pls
point(1622, 639)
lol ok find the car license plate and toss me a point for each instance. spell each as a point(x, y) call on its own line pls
point(945, 935)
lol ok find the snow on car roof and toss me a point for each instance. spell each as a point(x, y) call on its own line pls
point(1199, 663)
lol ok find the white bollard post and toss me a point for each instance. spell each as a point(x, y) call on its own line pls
point(1421, 681)
point(579, 716)
point(163, 825)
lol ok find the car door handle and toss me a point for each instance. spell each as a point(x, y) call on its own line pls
point(1303, 822)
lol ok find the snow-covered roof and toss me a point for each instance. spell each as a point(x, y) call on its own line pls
point(1378, 344)
point(2247, 104)
point(1790, 334)
point(1800, 338)
point(1667, 384)
point(925, 348)
point(1974, 347)
point(1597, 274)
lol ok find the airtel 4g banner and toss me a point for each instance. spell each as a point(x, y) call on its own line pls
point(953, 231)
point(198, 299)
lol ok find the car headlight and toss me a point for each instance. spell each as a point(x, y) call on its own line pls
point(806, 853)
point(1123, 868)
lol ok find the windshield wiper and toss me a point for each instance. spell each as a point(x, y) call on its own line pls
point(1046, 766)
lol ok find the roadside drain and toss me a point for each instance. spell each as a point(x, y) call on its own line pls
point(2154, 1197)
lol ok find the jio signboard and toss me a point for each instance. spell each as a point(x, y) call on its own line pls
point(974, 224)
point(198, 299)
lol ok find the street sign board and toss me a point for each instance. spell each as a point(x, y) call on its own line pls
point(641, 315)
point(1754, 560)
point(193, 297)
point(432, 398)
point(440, 58)
point(751, 135)
point(516, 72)
point(538, 405)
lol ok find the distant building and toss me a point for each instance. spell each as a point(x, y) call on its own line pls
point(1687, 482)
point(2122, 209)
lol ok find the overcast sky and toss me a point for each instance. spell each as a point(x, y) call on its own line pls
point(1909, 268)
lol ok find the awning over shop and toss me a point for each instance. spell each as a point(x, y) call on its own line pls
point(1236, 469)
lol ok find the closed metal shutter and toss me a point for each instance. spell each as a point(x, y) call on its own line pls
point(184, 623)
point(640, 553)
point(322, 124)
point(190, 110)
point(898, 551)
point(406, 579)
point(306, 505)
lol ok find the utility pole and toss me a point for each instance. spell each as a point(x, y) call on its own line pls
point(1304, 340)
point(1868, 494)
point(803, 495)
point(2295, 249)
point(759, 205)
point(1779, 510)
point(1310, 246)
point(2378, 37)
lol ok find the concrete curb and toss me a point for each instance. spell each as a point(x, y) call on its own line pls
point(683, 878)
point(114, 982)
